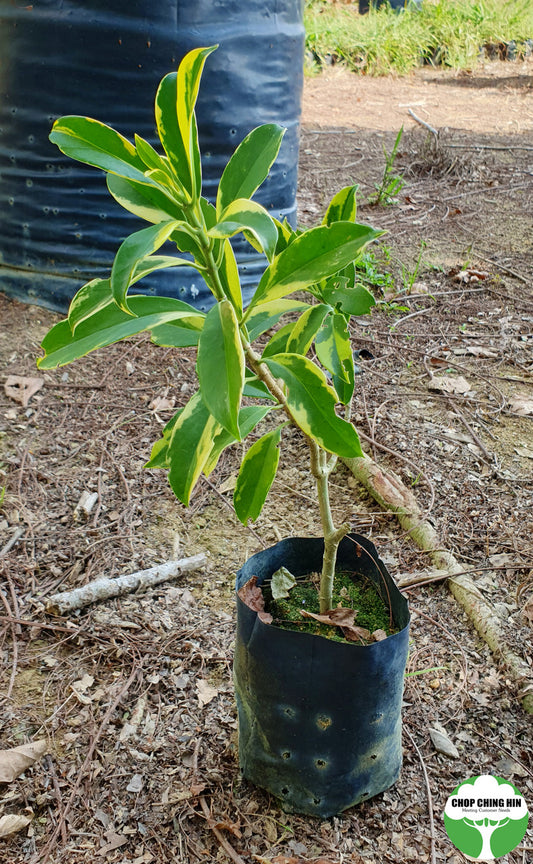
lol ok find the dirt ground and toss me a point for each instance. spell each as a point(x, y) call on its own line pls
point(134, 696)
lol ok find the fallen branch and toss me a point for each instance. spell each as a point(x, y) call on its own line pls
point(389, 491)
point(102, 589)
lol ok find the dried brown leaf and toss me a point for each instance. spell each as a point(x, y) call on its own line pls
point(379, 635)
point(343, 618)
point(233, 828)
point(453, 384)
point(114, 841)
point(252, 596)
point(15, 761)
point(21, 389)
point(11, 823)
point(521, 405)
point(205, 692)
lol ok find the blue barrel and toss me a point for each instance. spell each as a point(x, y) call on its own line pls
point(59, 227)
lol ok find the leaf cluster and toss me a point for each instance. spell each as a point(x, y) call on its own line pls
point(305, 368)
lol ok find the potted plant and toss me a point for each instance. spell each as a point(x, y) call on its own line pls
point(319, 719)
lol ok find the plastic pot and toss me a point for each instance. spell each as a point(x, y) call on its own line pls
point(319, 721)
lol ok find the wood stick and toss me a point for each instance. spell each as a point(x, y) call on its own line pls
point(389, 491)
point(102, 589)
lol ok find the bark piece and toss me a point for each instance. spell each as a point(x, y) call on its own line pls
point(102, 589)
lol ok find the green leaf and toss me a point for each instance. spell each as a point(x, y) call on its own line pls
point(220, 366)
point(91, 298)
point(277, 344)
point(188, 82)
point(166, 115)
point(312, 404)
point(311, 257)
point(344, 291)
point(343, 206)
point(334, 351)
point(249, 165)
point(229, 278)
point(132, 251)
point(94, 143)
point(257, 473)
point(176, 335)
point(189, 447)
point(249, 417)
point(254, 387)
point(108, 325)
point(305, 329)
point(152, 263)
point(148, 202)
point(268, 314)
point(244, 215)
point(150, 156)
point(159, 455)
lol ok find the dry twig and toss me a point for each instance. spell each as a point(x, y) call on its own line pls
point(102, 589)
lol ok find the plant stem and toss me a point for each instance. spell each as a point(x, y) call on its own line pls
point(322, 464)
point(321, 468)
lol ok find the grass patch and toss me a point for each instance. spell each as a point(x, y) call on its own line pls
point(444, 32)
point(349, 591)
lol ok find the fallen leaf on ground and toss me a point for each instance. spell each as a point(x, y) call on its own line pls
point(12, 823)
point(205, 692)
point(442, 743)
point(15, 761)
point(521, 405)
point(233, 828)
point(454, 384)
point(21, 389)
point(252, 596)
point(135, 784)
point(114, 841)
point(343, 618)
point(161, 403)
point(476, 351)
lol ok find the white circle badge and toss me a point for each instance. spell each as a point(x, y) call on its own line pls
point(486, 817)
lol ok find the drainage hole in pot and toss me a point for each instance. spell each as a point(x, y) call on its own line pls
point(374, 756)
point(365, 795)
point(286, 755)
point(289, 712)
point(323, 721)
point(317, 801)
point(321, 763)
point(284, 791)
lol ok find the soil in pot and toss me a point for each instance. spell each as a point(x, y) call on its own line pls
point(351, 592)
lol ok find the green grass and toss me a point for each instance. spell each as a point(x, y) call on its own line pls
point(446, 32)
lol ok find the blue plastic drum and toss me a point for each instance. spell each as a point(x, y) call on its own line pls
point(59, 227)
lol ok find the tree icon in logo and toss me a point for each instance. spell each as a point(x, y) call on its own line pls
point(486, 817)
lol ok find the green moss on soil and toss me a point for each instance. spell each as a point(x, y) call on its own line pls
point(349, 590)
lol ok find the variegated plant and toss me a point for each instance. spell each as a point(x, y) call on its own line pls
point(287, 378)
